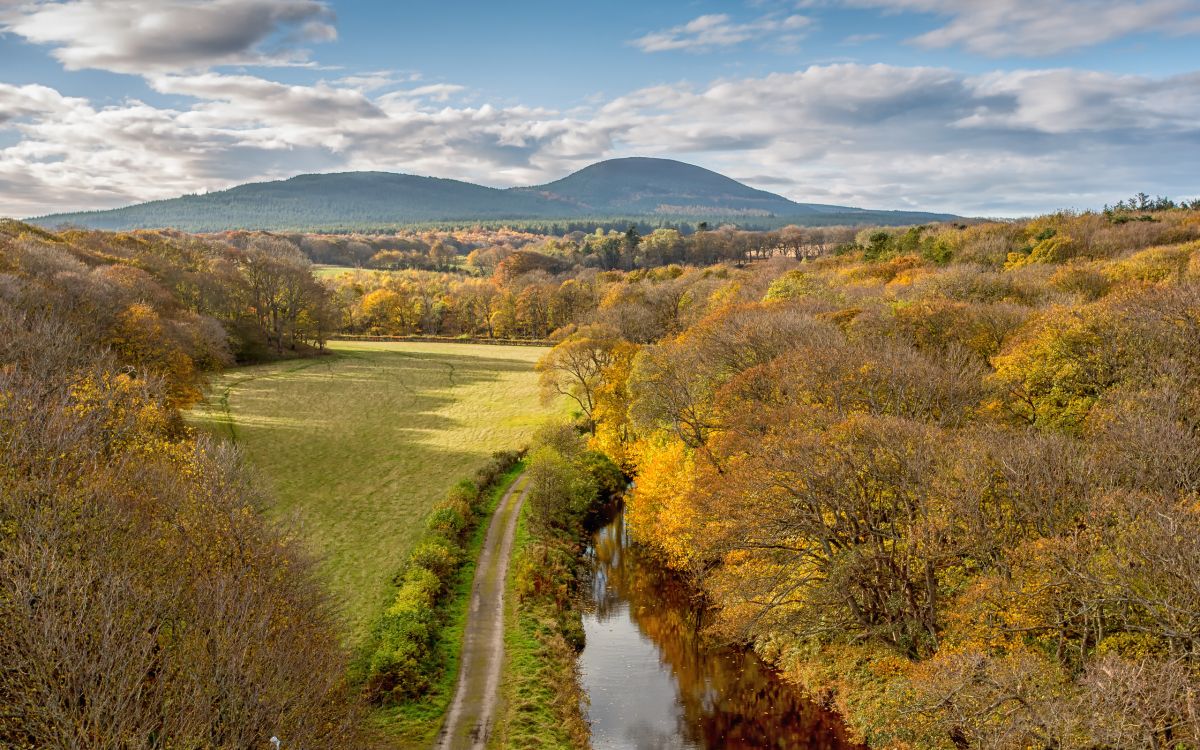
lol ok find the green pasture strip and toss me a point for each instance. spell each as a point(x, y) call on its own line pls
point(359, 445)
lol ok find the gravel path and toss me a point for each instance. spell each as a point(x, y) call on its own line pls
point(469, 722)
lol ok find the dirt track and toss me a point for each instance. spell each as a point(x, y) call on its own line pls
point(469, 722)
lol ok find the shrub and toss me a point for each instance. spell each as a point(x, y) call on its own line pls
point(560, 493)
point(438, 554)
point(449, 518)
point(405, 637)
point(1049, 248)
point(400, 663)
point(545, 570)
point(1085, 281)
point(610, 481)
point(791, 285)
point(1154, 264)
point(466, 492)
point(497, 466)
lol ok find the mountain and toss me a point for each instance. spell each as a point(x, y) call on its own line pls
point(638, 186)
point(340, 200)
point(642, 188)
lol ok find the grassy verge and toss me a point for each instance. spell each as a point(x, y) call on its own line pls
point(541, 705)
point(413, 692)
point(543, 702)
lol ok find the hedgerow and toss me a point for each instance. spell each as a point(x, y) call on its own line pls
point(402, 659)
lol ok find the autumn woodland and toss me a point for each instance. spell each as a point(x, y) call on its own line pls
point(623, 375)
point(943, 478)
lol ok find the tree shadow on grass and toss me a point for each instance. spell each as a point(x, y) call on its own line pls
point(345, 445)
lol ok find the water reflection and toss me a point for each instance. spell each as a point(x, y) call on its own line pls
point(655, 684)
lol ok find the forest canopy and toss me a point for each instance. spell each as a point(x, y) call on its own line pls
point(944, 476)
point(146, 601)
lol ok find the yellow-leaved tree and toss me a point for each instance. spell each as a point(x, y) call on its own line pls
point(660, 508)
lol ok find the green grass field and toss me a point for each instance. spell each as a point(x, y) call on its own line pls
point(327, 271)
point(323, 271)
point(357, 446)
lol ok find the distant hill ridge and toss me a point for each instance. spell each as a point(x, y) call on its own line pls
point(634, 187)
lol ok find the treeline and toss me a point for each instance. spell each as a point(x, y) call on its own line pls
point(211, 302)
point(945, 478)
point(630, 250)
point(145, 602)
point(1143, 202)
point(529, 293)
point(425, 251)
point(684, 223)
point(478, 250)
point(640, 284)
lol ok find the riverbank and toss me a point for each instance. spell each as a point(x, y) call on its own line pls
point(542, 700)
point(654, 679)
point(541, 695)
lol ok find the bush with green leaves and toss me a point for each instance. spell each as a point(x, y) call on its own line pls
point(405, 637)
point(400, 662)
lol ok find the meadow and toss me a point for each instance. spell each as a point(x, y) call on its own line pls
point(326, 271)
point(357, 446)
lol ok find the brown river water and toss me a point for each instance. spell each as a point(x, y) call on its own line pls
point(654, 683)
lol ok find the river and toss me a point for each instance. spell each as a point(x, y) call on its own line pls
point(655, 684)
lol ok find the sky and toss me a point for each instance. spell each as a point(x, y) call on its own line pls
point(978, 107)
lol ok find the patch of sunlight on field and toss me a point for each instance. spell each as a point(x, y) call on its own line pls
point(323, 271)
point(357, 446)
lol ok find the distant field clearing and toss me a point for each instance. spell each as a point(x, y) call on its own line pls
point(323, 271)
point(357, 446)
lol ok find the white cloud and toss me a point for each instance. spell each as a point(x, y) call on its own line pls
point(885, 136)
point(32, 99)
point(715, 30)
point(876, 136)
point(1074, 101)
point(441, 92)
point(233, 100)
point(372, 80)
point(139, 36)
point(1031, 28)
